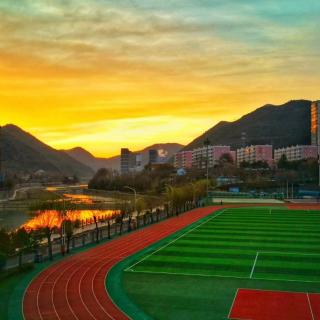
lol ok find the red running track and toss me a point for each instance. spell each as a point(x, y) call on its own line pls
point(74, 288)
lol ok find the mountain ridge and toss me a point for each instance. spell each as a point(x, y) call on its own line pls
point(279, 125)
point(96, 163)
point(23, 153)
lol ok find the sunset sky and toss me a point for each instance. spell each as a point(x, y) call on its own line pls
point(128, 73)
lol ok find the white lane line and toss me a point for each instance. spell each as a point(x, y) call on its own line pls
point(220, 276)
point(290, 253)
point(174, 240)
point(234, 299)
point(310, 306)
point(254, 264)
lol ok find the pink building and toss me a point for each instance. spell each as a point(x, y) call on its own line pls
point(199, 155)
point(296, 153)
point(219, 151)
point(183, 159)
point(255, 153)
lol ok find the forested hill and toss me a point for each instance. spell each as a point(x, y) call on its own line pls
point(283, 125)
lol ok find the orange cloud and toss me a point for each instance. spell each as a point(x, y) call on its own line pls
point(109, 74)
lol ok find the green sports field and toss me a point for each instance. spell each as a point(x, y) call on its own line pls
point(196, 274)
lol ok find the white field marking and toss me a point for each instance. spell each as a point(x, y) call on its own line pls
point(105, 281)
point(289, 253)
point(233, 301)
point(215, 276)
point(311, 311)
point(174, 240)
point(186, 274)
point(254, 264)
point(271, 290)
point(288, 280)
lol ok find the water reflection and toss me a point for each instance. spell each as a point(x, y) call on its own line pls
point(54, 218)
point(79, 198)
point(13, 219)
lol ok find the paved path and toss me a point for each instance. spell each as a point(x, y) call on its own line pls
point(74, 289)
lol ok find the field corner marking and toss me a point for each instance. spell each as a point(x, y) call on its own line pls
point(233, 301)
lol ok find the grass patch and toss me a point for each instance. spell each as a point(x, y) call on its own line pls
point(195, 274)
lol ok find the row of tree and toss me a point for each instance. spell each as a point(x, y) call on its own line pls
point(133, 212)
point(147, 181)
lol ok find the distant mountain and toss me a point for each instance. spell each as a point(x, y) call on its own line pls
point(23, 153)
point(165, 151)
point(283, 125)
point(85, 157)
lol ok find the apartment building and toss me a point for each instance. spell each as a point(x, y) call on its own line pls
point(255, 153)
point(213, 153)
point(296, 153)
point(183, 159)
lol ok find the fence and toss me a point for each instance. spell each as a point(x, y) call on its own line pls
point(82, 238)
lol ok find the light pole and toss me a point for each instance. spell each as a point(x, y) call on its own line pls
point(135, 195)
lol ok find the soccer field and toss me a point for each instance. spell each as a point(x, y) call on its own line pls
point(275, 244)
point(205, 270)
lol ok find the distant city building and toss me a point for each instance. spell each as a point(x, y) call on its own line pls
point(153, 156)
point(183, 159)
point(199, 155)
point(255, 153)
point(125, 160)
point(130, 162)
point(315, 122)
point(296, 153)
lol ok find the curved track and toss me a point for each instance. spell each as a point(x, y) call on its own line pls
point(74, 288)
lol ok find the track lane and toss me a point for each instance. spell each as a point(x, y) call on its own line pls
point(75, 287)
